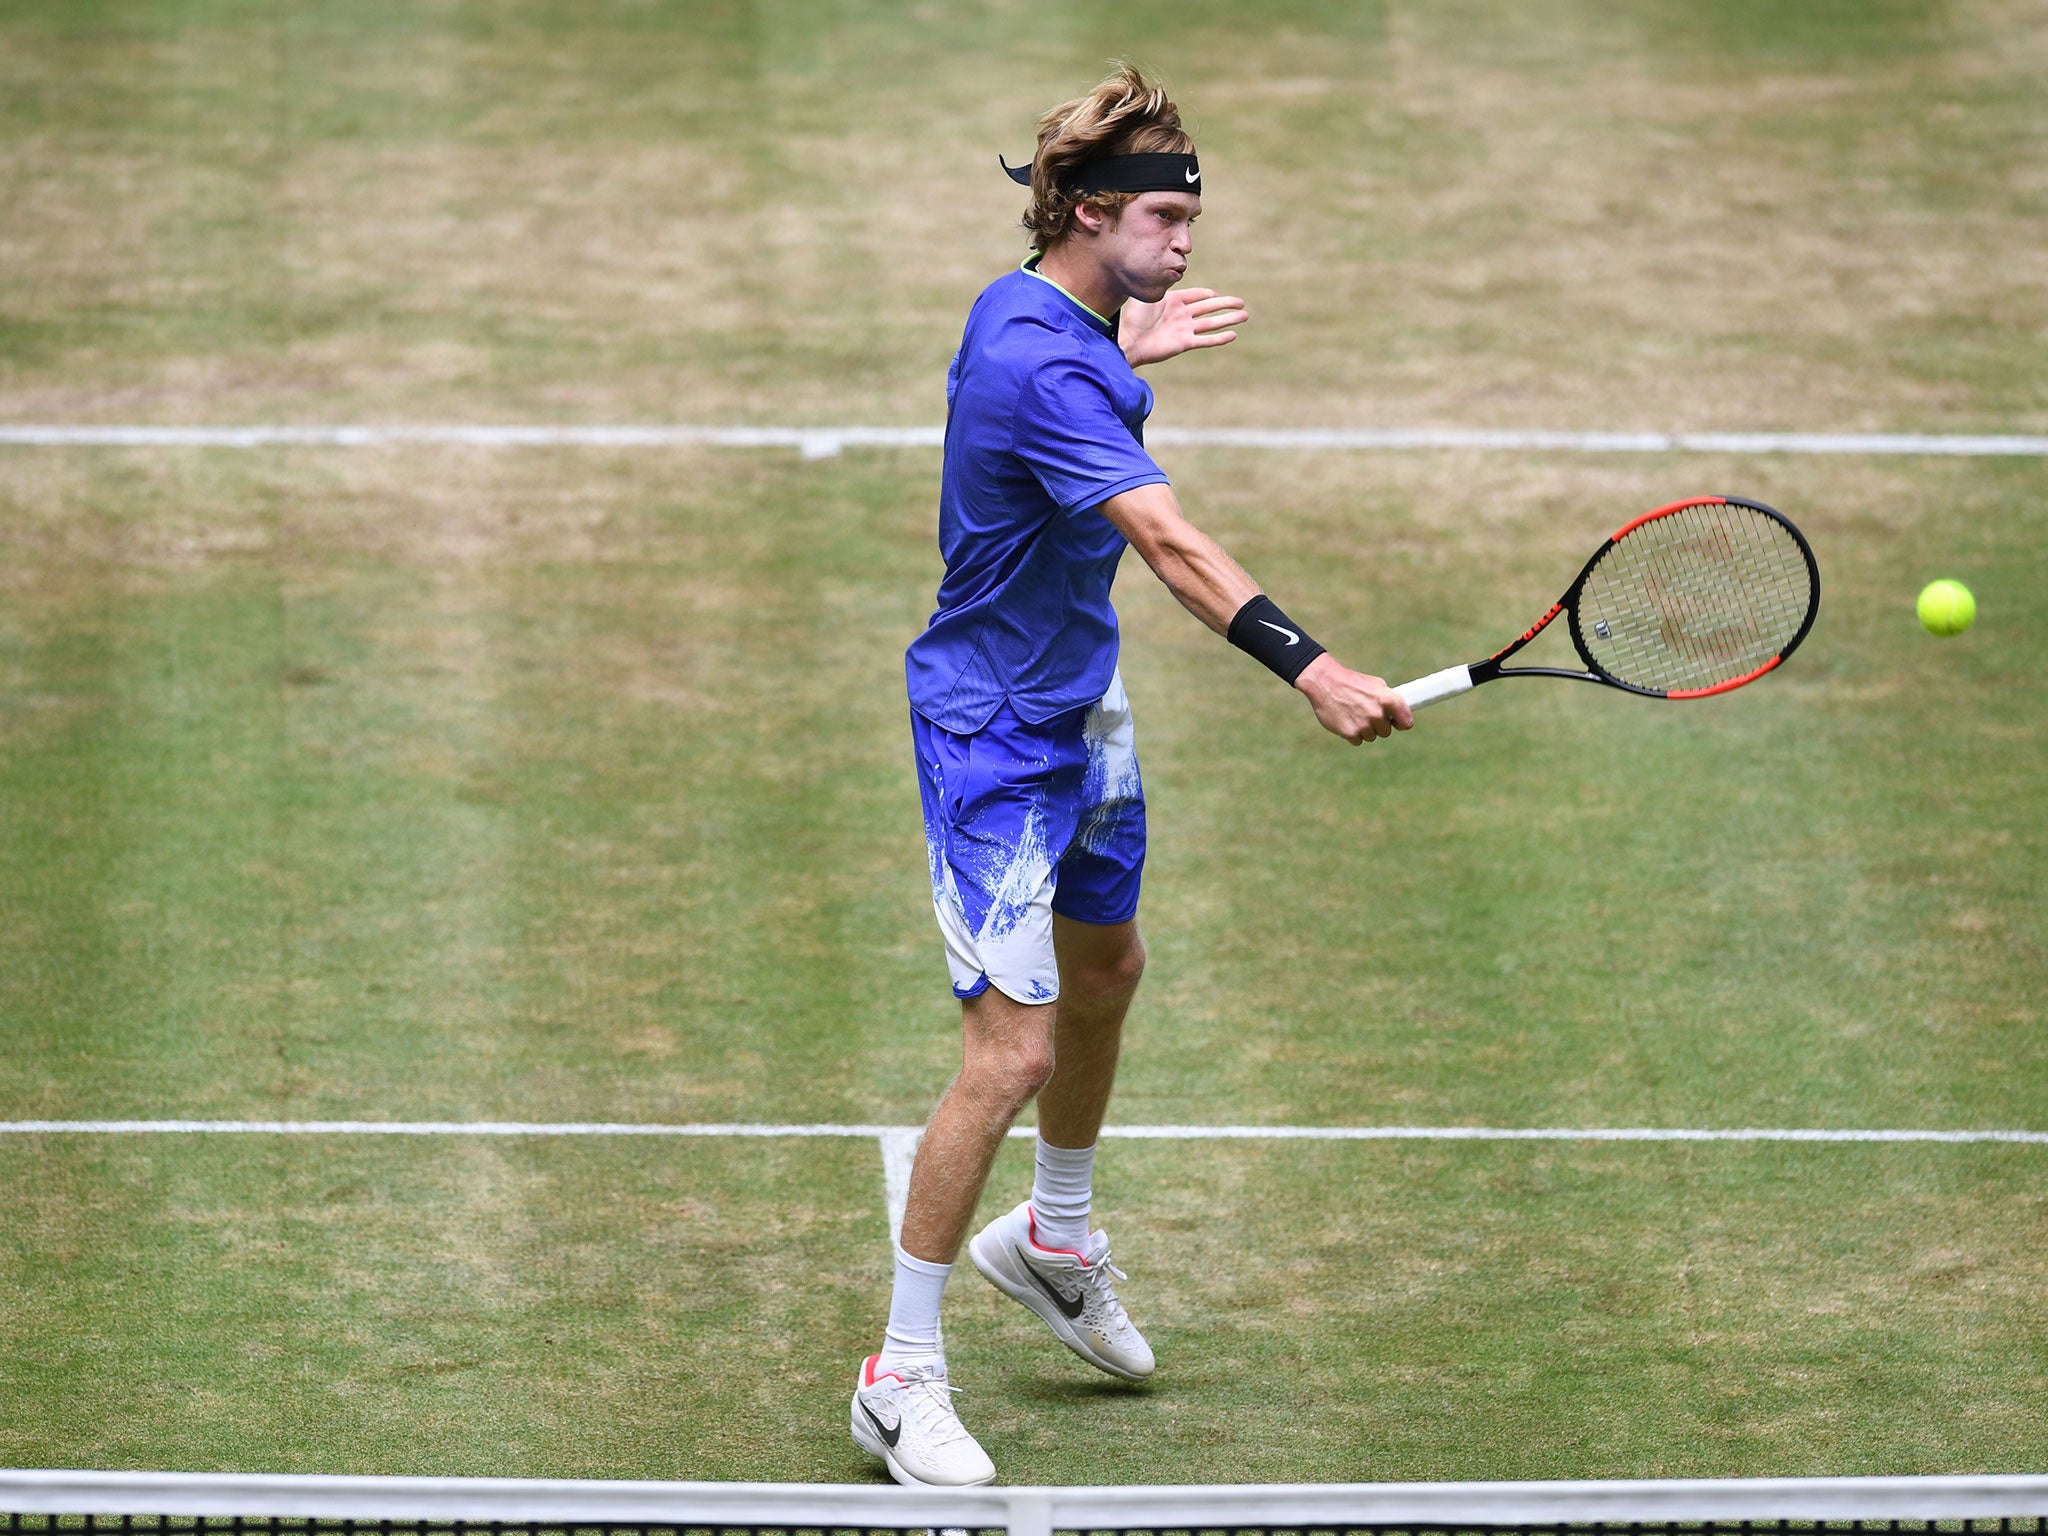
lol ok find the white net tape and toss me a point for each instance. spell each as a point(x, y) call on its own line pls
point(2018, 1501)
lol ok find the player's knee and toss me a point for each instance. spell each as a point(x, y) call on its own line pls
point(1030, 1070)
point(1009, 1075)
point(1117, 971)
point(1129, 966)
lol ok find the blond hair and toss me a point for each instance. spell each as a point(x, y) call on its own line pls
point(1122, 116)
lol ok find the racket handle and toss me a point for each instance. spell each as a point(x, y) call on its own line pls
point(1438, 685)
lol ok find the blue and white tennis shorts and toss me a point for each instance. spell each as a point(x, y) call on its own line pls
point(1022, 821)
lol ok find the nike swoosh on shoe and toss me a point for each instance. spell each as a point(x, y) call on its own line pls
point(1073, 1309)
point(890, 1433)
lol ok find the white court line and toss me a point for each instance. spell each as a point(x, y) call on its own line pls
point(899, 1151)
point(901, 1136)
point(1948, 444)
point(826, 441)
point(430, 1128)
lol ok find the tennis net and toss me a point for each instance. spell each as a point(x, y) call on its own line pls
point(48, 1503)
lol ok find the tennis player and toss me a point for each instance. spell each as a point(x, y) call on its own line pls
point(1034, 815)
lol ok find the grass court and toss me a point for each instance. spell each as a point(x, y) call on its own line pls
point(432, 783)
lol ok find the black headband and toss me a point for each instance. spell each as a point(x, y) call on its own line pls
point(1123, 173)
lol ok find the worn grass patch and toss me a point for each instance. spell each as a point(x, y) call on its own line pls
point(1561, 215)
point(439, 1308)
point(1348, 1312)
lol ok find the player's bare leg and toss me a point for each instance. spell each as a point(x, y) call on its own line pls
point(1006, 1058)
point(902, 1405)
point(1042, 1253)
point(1100, 966)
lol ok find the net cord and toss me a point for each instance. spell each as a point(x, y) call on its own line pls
point(1024, 1511)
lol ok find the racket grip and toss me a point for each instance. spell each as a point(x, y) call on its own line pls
point(1438, 685)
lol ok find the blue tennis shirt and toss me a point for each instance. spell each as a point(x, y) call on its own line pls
point(1045, 422)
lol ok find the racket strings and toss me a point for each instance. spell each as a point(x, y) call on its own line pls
point(1694, 599)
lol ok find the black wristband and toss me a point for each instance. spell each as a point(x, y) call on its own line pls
point(1260, 629)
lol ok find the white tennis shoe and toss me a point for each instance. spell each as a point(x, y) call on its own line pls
point(905, 1416)
point(1069, 1290)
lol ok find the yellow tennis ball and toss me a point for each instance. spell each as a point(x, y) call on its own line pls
point(1946, 608)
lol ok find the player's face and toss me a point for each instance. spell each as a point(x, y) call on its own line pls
point(1146, 249)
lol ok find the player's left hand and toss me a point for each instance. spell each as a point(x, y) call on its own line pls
point(1183, 321)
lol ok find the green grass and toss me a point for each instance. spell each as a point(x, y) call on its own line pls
point(568, 784)
point(1355, 1311)
point(1557, 214)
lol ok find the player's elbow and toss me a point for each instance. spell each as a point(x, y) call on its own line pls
point(1166, 543)
point(1149, 517)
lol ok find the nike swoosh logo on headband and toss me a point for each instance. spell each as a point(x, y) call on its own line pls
point(1194, 175)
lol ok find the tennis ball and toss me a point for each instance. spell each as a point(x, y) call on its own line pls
point(1946, 608)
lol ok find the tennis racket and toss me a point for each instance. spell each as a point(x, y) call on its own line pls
point(1690, 600)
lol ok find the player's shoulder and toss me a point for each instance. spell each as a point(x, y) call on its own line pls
point(1011, 334)
point(1013, 308)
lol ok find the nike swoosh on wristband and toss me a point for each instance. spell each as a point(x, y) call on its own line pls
point(1073, 1308)
point(890, 1433)
point(1292, 637)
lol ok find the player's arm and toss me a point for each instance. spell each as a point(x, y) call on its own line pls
point(1215, 589)
point(1183, 321)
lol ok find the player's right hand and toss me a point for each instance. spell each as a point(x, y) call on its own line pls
point(1355, 705)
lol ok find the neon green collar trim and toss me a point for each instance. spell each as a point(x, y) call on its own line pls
point(1030, 264)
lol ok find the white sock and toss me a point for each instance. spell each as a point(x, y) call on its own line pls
point(914, 1312)
point(1061, 1192)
